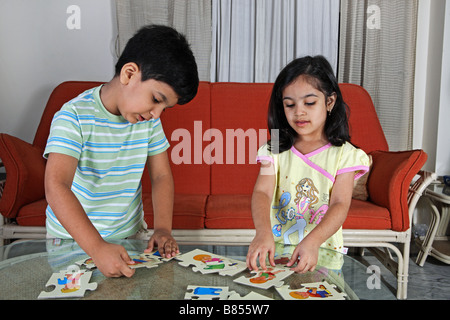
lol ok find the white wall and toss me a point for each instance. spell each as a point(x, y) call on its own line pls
point(38, 51)
point(432, 85)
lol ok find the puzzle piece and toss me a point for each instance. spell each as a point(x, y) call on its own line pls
point(141, 261)
point(207, 293)
point(88, 263)
point(148, 260)
point(273, 276)
point(156, 255)
point(206, 262)
point(251, 296)
point(71, 283)
point(311, 291)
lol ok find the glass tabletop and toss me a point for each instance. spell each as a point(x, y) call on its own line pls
point(26, 266)
point(439, 191)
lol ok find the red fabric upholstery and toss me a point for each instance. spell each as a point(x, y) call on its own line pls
point(389, 182)
point(365, 128)
point(366, 215)
point(229, 211)
point(218, 195)
point(25, 168)
point(238, 106)
point(188, 211)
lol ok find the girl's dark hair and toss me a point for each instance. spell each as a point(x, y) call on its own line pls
point(163, 54)
point(319, 73)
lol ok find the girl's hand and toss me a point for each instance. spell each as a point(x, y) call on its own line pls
point(306, 255)
point(261, 245)
point(112, 260)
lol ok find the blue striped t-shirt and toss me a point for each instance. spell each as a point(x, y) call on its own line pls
point(112, 154)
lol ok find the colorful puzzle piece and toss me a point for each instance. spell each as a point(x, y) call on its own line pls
point(311, 291)
point(206, 262)
point(265, 279)
point(141, 261)
point(71, 283)
point(207, 293)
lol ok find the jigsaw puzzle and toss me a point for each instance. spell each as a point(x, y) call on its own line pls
point(206, 262)
point(144, 261)
point(311, 291)
point(207, 293)
point(156, 255)
point(273, 276)
point(71, 283)
point(250, 296)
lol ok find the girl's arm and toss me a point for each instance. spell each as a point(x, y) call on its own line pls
point(110, 259)
point(263, 242)
point(308, 250)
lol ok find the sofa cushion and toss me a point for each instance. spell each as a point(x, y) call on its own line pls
point(188, 211)
point(366, 215)
point(225, 211)
point(32, 214)
point(25, 169)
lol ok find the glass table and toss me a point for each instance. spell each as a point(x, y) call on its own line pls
point(26, 266)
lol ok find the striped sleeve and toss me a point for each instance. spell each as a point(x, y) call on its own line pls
point(65, 134)
point(158, 142)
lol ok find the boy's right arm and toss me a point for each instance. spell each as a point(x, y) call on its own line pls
point(110, 259)
point(263, 243)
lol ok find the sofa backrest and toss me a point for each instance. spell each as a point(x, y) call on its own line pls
point(239, 111)
point(365, 128)
point(64, 92)
point(215, 137)
point(184, 126)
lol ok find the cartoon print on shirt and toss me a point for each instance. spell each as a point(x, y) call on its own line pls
point(306, 197)
point(283, 216)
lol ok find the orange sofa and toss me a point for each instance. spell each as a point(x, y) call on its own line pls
point(214, 173)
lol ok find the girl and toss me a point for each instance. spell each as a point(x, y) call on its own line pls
point(307, 111)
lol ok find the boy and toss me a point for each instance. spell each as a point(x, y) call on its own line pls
point(100, 142)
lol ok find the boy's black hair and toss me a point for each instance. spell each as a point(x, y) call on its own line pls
point(319, 73)
point(163, 54)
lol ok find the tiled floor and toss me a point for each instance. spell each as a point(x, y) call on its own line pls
point(430, 282)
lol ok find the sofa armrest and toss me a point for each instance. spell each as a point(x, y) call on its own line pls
point(389, 182)
point(25, 169)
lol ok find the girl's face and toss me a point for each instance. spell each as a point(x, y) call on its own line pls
point(306, 109)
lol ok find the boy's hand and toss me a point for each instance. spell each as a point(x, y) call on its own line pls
point(167, 246)
point(261, 246)
point(112, 260)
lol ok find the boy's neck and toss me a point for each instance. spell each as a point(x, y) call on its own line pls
point(108, 96)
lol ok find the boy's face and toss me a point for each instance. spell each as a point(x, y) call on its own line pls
point(144, 100)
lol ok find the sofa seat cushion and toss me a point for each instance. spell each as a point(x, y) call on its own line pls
point(188, 211)
point(32, 214)
point(366, 215)
point(227, 211)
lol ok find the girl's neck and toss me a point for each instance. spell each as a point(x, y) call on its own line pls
point(307, 146)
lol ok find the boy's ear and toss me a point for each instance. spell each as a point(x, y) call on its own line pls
point(128, 71)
